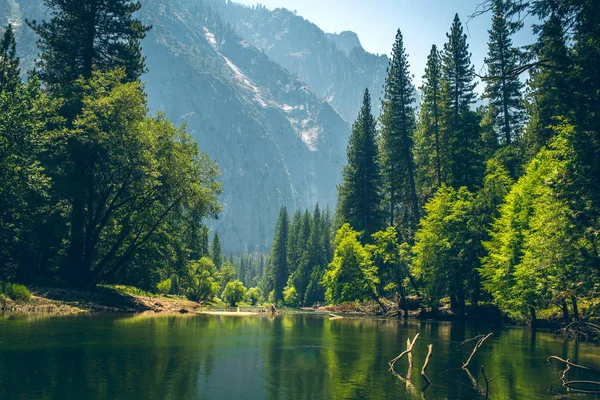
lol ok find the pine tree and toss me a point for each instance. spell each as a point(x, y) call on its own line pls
point(460, 134)
point(397, 127)
point(215, 252)
point(278, 269)
point(360, 192)
point(294, 243)
point(549, 92)
point(9, 62)
point(503, 87)
point(87, 35)
point(428, 157)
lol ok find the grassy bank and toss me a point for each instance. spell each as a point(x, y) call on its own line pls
point(100, 299)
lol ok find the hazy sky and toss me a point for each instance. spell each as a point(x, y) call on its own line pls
point(422, 22)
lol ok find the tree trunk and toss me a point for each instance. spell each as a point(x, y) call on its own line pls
point(533, 317)
point(575, 308)
point(565, 311)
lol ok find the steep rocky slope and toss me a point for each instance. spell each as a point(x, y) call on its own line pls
point(336, 67)
point(275, 141)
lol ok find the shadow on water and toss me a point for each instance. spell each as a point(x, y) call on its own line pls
point(300, 356)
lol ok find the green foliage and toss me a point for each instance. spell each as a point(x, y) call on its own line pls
point(255, 296)
point(444, 252)
point(203, 286)
point(120, 162)
point(351, 275)
point(359, 198)
point(234, 292)
point(15, 291)
point(164, 287)
point(290, 296)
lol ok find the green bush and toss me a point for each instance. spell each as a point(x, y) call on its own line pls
point(17, 292)
point(290, 296)
point(234, 292)
point(164, 287)
point(255, 296)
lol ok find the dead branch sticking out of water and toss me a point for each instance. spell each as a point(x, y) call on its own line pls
point(423, 370)
point(569, 363)
point(477, 346)
point(569, 384)
point(407, 351)
point(478, 337)
point(333, 316)
point(580, 330)
point(487, 384)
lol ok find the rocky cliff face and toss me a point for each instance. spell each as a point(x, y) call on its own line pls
point(336, 67)
point(278, 139)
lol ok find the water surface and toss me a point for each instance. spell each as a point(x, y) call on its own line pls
point(301, 356)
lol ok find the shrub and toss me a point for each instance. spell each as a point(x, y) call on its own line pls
point(234, 292)
point(18, 292)
point(290, 296)
point(164, 287)
point(255, 296)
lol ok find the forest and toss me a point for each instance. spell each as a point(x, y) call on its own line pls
point(463, 205)
point(441, 201)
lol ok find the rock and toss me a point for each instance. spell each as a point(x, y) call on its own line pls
point(183, 311)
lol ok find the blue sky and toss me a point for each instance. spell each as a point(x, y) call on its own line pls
point(422, 22)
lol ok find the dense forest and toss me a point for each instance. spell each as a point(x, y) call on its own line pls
point(450, 202)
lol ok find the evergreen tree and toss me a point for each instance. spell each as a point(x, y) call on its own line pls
point(278, 268)
point(549, 92)
point(461, 128)
point(9, 62)
point(397, 127)
point(294, 244)
point(360, 192)
point(215, 252)
point(83, 36)
point(428, 146)
point(503, 87)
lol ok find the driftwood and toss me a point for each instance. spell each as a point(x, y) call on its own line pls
point(569, 363)
point(407, 351)
point(424, 369)
point(478, 337)
point(580, 330)
point(333, 316)
point(564, 376)
point(477, 346)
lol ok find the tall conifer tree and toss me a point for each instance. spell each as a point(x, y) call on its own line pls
point(87, 35)
point(215, 251)
point(360, 192)
point(461, 133)
point(428, 146)
point(503, 87)
point(278, 269)
point(9, 62)
point(397, 127)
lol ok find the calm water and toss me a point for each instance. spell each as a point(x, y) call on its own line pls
point(258, 357)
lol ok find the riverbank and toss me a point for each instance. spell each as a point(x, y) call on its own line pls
point(101, 299)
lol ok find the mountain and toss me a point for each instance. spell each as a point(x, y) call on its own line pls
point(345, 41)
point(276, 141)
point(336, 67)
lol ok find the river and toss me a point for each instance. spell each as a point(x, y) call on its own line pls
point(293, 356)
